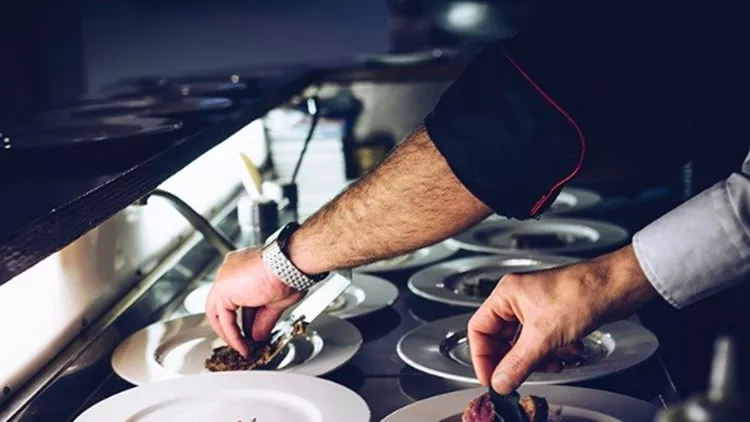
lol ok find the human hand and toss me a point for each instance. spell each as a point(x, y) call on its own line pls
point(244, 282)
point(555, 307)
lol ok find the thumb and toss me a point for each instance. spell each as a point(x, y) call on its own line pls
point(265, 319)
point(518, 363)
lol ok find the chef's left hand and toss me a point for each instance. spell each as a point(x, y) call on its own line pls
point(243, 281)
point(555, 307)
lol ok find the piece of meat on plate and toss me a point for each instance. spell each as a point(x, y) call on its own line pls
point(481, 409)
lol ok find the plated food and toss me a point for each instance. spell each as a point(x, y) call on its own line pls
point(419, 258)
point(188, 346)
point(262, 396)
point(563, 236)
point(262, 354)
point(528, 408)
point(563, 404)
point(440, 348)
point(468, 281)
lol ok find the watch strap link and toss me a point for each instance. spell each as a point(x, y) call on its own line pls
point(275, 260)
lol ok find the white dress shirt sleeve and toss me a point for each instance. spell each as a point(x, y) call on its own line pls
point(702, 246)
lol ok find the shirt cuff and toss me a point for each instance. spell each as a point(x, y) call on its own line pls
point(700, 247)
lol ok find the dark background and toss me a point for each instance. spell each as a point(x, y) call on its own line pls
point(52, 52)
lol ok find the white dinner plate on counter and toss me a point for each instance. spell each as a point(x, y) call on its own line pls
point(440, 349)
point(575, 236)
point(418, 258)
point(456, 282)
point(180, 347)
point(571, 404)
point(261, 396)
point(366, 294)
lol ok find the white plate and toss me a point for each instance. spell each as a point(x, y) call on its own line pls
point(419, 258)
point(494, 235)
point(230, 397)
point(569, 201)
point(406, 58)
point(577, 405)
point(442, 282)
point(366, 295)
point(440, 349)
point(179, 347)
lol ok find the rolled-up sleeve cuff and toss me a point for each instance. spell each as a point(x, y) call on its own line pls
point(698, 248)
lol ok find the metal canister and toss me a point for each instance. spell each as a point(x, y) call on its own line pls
point(258, 219)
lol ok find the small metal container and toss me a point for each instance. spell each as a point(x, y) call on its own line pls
point(258, 219)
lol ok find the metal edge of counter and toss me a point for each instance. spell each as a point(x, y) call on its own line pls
point(43, 236)
point(71, 353)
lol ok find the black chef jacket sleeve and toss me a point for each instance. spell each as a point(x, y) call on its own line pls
point(505, 138)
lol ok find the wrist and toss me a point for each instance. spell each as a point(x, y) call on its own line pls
point(628, 288)
point(303, 252)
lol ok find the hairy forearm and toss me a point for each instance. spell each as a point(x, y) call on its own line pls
point(411, 200)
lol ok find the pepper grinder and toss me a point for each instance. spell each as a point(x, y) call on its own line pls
point(258, 219)
point(723, 403)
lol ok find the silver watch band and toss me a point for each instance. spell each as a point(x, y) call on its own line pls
point(275, 260)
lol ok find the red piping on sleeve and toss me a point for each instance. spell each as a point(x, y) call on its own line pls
point(552, 102)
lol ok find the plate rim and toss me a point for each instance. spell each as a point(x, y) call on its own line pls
point(613, 233)
point(429, 277)
point(149, 126)
point(631, 409)
point(586, 198)
point(344, 340)
point(436, 253)
point(162, 391)
point(439, 329)
point(380, 293)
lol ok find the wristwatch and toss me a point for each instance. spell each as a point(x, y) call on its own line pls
point(276, 260)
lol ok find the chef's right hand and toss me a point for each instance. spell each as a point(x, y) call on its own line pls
point(243, 281)
point(555, 307)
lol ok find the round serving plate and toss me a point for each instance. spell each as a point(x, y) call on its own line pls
point(137, 107)
point(572, 236)
point(569, 201)
point(440, 349)
point(567, 403)
point(467, 281)
point(366, 294)
point(418, 258)
point(405, 59)
point(180, 347)
point(223, 85)
point(261, 396)
point(84, 132)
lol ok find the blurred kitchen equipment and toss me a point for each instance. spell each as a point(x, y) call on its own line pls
point(258, 219)
point(213, 236)
point(483, 20)
point(147, 106)
point(723, 402)
point(82, 133)
point(251, 177)
point(229, 84)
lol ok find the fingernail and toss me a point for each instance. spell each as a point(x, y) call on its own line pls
point(501, 383)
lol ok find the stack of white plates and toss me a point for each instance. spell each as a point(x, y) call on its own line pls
point(322, 174)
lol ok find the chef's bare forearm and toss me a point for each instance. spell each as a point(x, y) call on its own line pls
point(411, 200)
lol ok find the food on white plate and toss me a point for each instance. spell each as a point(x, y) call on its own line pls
point(225, 358)
point(532, 409)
